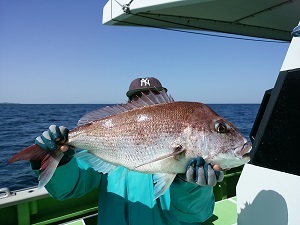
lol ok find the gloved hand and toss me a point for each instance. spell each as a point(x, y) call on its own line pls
point(202, 173)
point(54, 139)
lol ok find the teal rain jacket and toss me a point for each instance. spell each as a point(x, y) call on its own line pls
point(127, 197)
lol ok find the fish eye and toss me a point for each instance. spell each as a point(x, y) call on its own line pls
point(220, 127)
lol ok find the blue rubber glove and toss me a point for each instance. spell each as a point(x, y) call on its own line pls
point(202, 173)
point(52, 139)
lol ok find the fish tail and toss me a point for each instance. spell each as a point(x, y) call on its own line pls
point(33, 152)
point(49, 161)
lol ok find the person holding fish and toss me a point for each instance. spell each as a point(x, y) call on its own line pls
point(151, 171)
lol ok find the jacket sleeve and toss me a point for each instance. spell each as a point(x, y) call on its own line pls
point(191, 202)
point(73, 180)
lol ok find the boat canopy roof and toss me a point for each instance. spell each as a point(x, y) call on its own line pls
point(271, 19)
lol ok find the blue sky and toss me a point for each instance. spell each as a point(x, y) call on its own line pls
point(59, 52)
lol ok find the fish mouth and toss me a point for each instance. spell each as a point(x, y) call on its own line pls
point(243, 151)
point(235, 157)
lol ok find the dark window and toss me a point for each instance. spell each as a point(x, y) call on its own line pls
point(276, 131)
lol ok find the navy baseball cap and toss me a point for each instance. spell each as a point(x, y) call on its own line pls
point(144, 84)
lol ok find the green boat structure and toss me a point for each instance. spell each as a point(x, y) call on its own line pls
point(34, 206)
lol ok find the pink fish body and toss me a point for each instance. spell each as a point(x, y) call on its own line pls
point(155, 135)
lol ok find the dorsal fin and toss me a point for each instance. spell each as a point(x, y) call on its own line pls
point(143, 101)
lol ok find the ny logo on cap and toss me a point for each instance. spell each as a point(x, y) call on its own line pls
point(145, 82)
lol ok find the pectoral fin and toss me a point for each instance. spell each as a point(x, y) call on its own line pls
point(93, 161)
point(177, 153)
point(162, 182)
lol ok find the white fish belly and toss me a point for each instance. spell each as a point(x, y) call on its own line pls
point(148, 157)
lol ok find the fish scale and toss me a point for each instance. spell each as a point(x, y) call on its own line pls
point(124, 135)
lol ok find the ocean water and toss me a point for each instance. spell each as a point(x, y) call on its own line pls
point(20, 124)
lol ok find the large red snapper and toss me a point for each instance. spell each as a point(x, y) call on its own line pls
point(153, 135)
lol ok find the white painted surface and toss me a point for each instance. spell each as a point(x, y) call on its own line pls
point(24, 195)
point(267, 197)
point(113, 9)
point(292, 58)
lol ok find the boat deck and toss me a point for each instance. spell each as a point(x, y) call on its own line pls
point(222, 216)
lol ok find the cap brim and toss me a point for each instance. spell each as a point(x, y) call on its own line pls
point(135, 91)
